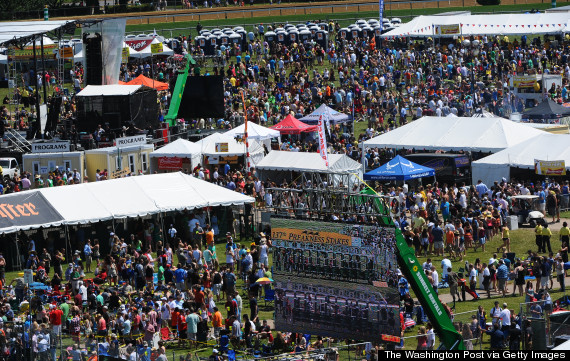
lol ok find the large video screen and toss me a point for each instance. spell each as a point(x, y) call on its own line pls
point(335, 279)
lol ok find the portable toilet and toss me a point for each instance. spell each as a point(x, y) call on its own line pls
point(313, 29)
point(243, 35)
point(323, 26)
point(300, 26)
point(270, 37)
point(211, 44)
point(235, 38)
point(281, 37)
point(367, 32)
point(218, 33)
point(343, 34)
point(200, 41)
point(361, 23)
point(288, 26)
point(204, 31)
point(351, 26)
point(224, 39)
point(322, 38)
point(371, 22)
point(278, 30)
point(214, 30)
point(305, 35)
point(227, 30)
point(355, 33)
point(292, 36)
point(238, 28)
point(377, 33)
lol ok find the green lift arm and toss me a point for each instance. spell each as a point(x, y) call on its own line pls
point(176, 97)
point(414, 273)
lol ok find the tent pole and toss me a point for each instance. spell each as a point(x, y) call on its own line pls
point(66, 241)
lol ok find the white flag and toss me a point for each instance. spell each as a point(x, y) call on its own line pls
point(323, 140)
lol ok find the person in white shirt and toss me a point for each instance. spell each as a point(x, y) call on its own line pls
point(495, 313)
point(427, 265)
point(268, 199)
point(435, 278)
point(430, 337)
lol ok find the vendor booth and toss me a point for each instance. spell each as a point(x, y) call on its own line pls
point(291, 125)
point(221, 149)
point(548, 112)
point(399, 169)
point(327, 113)
point(255, 132)
point(175, 156)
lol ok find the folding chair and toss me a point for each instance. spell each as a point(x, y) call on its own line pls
point(269, 296)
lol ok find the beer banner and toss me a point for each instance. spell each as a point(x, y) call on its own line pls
point(524, 81)
point(156, 48)
point(550, 167)
point(26, 209)
point(169, 163)
point(451, 29)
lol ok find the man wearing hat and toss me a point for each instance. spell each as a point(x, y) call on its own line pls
point(215, 356)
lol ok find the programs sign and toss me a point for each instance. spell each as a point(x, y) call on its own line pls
point(128, 141)
point(51, 147)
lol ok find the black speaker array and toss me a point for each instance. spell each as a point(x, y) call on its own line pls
point(203, 97)
point(93, 58)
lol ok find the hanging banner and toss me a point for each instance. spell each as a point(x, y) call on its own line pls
point(156, 48)
point(381, 13)
point(126, 53)
point(128, 141)
point(169, 163)
point(550, 167)
point(221, 147)
point(138, 44)
point(50, 51)
point(450, 29)
point(524, 81)
point(323, 140)
point(66, 52)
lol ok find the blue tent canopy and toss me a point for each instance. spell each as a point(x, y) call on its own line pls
point(399, 169)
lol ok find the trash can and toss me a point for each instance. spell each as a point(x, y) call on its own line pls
point(513, 222)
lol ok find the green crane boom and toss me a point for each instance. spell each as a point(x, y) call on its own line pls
point(176, 97)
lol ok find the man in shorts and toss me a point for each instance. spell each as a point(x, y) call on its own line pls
point(192, 320)
point(437, 233)
point(502, 276)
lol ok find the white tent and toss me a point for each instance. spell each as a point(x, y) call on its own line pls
point(147, 52)
point(79, 57)
point(254, 131)
point(11, 30)
point(455, 134)
point(465, 25)
point(108, 90)
point(132, 52)
point(137, 196)
point(278, 165)
point(209, 144)
point(180, 148)
point(3, 59)
point(545, 146)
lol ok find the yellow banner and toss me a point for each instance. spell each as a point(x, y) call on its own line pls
point(550, 167)
point(66, 52)
point(156, 48)
point(222, 147)
point(300, 235)
point(524, 81)
point(451, 29)
point(28, 52)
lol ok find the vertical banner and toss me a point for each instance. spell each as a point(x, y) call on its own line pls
point(323, 140)
point(381, 13)
point(113, 32)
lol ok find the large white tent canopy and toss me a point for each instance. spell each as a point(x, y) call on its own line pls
point(180, 148)
point(147, 51)
point(500, 24)
point(12, 30)
point(545, 146)
point(131, 197)
point(455, 134)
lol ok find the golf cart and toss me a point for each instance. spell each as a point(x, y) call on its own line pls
point(525, 208)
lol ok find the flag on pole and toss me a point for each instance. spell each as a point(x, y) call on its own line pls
point(323, 139)
point(381, 13)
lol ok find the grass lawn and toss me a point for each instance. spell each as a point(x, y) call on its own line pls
point(344, 19)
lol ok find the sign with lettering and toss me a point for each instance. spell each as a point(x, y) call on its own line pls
point(550, 167)
point(51, 147)
point(138, 44)
point(120, 173)
point(128, 141)
point(169, 163)
point(26, 209)
point(222, 147)
point(66, 52)
point(156, 48)
point(449, 29)
point(524, 81)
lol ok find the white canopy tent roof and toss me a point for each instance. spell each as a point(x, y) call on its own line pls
point(147, 51)
point(132, 52)
point(308, 162)
point(455, 134)
point(11, 30)
point(546, 146)
point(181, 148)
point(3, 59)
point(208, 147)
point(500, 24)
point(341, 167)
point(137, 196)
point(108, 90)
point(254, 131)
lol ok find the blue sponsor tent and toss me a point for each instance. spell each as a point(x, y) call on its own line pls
point(399, 169)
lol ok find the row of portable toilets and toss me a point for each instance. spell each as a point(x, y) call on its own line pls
point(210, 40)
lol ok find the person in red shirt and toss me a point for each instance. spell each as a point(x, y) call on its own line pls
point(101, 326)
point(198, 295)
point(55, 320)
point(182, 328)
